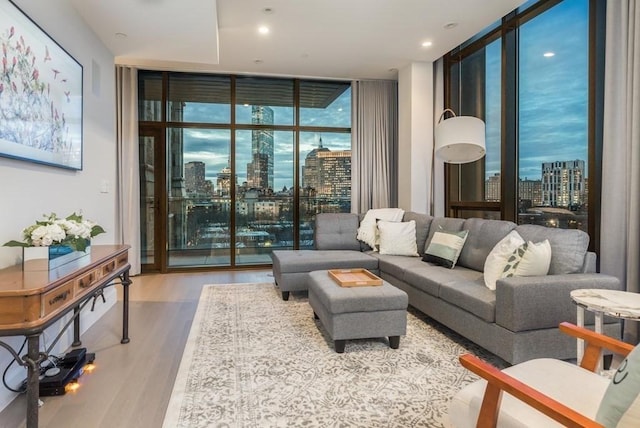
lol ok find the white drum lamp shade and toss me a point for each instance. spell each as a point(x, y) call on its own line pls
point(460, 139)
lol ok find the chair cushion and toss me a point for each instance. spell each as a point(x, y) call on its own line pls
point(620, 406)
point(567, 383)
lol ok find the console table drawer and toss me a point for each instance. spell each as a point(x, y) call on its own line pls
point(86, 281)
point(57, 298)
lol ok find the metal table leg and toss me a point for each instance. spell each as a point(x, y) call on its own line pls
point(33, 379)
point(125, 306)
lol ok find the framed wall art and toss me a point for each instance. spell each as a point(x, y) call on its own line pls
point(40, 94)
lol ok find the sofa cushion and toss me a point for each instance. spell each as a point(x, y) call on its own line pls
point(568, 246)
point(336, 231)
point(471, 296)
point(423, 223)
point(398, 238)
point(483, 236)
point(287, 261)
point(397, 265)
point(429, 277)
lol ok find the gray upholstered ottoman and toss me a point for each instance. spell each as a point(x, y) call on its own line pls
point(291, 267)
point(358, 312)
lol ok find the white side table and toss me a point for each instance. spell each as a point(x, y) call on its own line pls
point(612, 303)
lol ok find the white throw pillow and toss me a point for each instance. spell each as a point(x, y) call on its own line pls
point(497, 258)
point(535, 260)
point(398, 238)
point(368, 230)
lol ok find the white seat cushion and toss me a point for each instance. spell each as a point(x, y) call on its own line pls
point(567, 383)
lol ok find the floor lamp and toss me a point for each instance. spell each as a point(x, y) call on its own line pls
point(458, 139)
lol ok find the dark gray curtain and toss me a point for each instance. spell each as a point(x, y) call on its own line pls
point(620, 217)
point(374, 137)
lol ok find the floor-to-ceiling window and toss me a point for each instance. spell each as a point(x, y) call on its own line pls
point(533, 77)
point(233, 167)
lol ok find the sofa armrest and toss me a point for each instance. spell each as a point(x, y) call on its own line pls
point(535, 302)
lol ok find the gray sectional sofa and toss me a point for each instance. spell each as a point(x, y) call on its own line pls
point(518, 321)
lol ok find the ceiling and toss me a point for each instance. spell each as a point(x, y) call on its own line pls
point(343, 39)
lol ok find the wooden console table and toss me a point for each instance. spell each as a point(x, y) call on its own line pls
point(33, 298)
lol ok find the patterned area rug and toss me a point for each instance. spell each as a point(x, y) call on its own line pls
point(254, 360)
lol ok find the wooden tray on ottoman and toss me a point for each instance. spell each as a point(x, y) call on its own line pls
point(354, 278)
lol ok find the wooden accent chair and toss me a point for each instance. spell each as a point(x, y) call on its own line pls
point(540, 393)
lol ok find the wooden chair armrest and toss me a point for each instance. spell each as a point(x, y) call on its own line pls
point(595, 343)
point(498, 381)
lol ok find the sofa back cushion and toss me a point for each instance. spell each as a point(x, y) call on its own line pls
point(336, 231)
point(483, 236)
point(423, 223)
point(568, 246)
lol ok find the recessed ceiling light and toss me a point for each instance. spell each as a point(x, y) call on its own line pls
point(549, 54)
point(263, 30)
point(427, 44)
point(450, 25)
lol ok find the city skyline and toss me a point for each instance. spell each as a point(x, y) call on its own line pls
point(212, 146)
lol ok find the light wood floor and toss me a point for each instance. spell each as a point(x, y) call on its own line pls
point(132, 383)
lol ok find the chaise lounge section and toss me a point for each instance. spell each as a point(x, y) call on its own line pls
point(517, 321)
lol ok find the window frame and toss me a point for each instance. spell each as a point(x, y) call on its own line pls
point(508, 30)
point(164, 123)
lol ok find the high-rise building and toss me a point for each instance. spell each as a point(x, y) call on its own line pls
point(311, 168)
point(327, 173)
point(335, 174)
point(194, 177)
point(563, 183)
point(223, 182)
point(260, 169)
point(492, 188)
point(530, 190)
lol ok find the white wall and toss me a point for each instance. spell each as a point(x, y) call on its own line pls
point(28, 190)
point(415, 136)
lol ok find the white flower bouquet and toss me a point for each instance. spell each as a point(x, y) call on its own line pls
point(72, 231)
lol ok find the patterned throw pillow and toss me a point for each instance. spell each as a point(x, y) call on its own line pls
point(513, 261)
point(497, 258)
point(620, 406)
point(445, 247)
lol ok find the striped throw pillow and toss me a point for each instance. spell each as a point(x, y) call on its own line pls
point(445, 247)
